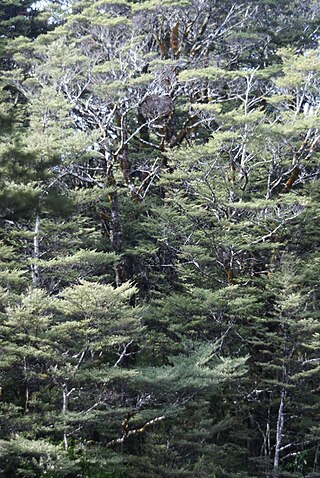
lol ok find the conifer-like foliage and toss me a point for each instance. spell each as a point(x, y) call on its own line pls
point(159, 239)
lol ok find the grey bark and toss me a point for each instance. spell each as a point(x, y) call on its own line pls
point(36, 250)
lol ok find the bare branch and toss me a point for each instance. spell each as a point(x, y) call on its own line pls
point(135, 431)
point(123, 354)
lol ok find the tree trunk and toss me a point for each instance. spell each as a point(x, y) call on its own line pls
point(27, 392)
point(34, 267)
point(65, 397)
point(116, 232)
point(115, 222)
point(279, 432)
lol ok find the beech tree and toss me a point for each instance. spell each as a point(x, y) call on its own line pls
point(159, 238)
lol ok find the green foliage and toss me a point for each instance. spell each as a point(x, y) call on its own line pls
point(159, 239)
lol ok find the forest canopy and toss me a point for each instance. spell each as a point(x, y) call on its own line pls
point(159, 239)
